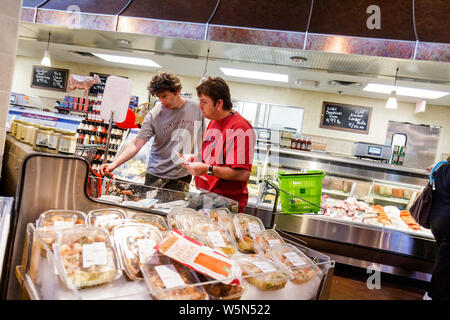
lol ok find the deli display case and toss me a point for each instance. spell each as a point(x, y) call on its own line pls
point(74, 236)
point(364, 217)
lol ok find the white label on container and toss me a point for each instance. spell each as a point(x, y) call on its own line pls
point(216, 239)
point(105, 221)
point(94, 254)
point(294, 259)
point(146, 249)
point(273, 242)
point(169, 276)
point(63, 224)
point(42, 139)
point(254, 229)
point(67, 145)
point(264, 266)
point(52, 142)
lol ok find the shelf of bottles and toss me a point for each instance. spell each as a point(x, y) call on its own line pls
point(292, 140)
point(93, 133)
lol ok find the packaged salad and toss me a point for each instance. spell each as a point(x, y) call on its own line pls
point(170, 280)
point(299, 265)
point(134, 244)
point(86, 257)
point(151, 219)
point(175, 214)
point(106, 218)
point(246, 227)
point(265, 240)
point(262, 273)
point(213, 235)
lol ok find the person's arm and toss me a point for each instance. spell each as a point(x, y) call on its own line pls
point(129, 152)
point(226, 173)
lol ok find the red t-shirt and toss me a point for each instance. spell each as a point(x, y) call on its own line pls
point(228, 142)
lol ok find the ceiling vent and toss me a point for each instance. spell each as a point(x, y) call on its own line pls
point(344, 84)
point(84, 54)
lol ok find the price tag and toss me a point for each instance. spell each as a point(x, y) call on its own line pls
point(294, 259)
point(264, 266)
point(254, 229)
point(216, 239)
point(169, 276)
point(105, 221)
point(63, 224)
point(273, 242)
point(94, 254)
point(146, 249)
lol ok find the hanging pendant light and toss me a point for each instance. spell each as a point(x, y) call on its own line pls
point(46, 59)
point(392, 101)
point(205, 72)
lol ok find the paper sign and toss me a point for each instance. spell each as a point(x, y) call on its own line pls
point(216, 239)
point(169, 276)
point(94, 254)
point(116, 98)
point(294, 259)
point(146, 249)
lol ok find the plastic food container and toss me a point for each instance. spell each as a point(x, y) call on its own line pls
point(223, 217)
point(170, 280)
point(220, 291)
point(267, 239)
point(134, 244)
point(60, 219)
point(213, 235)
point(299, 265)
point(85, 256)
point(265, 275)
point(172, 216)
point(246, 227)
point(151, 219)
point(106, 218)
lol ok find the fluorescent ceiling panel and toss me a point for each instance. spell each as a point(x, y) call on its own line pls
point(405, 91)
point(128, 60)
point(255, 75)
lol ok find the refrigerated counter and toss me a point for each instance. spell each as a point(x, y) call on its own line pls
point(397, 250)
point(62, 182)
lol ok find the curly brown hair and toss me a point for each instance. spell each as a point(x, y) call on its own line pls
point(164, 82)
point(216, 88)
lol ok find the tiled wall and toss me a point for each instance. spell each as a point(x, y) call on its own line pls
point(9, 25)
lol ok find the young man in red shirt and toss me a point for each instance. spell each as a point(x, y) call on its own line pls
point(228, 145)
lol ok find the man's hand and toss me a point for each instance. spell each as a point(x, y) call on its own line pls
point(106, 167)
point(196, 168)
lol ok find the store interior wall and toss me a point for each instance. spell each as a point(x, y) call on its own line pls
point(9, 26)
point(339, 142)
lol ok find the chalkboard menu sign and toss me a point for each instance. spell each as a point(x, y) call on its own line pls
point(98, 87)
point(49, 78)
point(345, 117)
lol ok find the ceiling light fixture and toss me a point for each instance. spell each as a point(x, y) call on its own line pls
point(128, 60)
point(298, 59)
point(46, 59)
point(392, 101)
point(205, 72)
point(255, 75)
point(405, 91)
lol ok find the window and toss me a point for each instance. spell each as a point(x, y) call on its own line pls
point(270, 116)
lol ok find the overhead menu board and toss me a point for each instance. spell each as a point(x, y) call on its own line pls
point(49, 78)
point(345, 117)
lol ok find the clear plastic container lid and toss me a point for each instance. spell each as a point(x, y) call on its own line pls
point(214, 236)
point(265, 240)
point(151, 219)
point(134, 244)
point(173, 214)
point(170, 280)
point(60, 219)
point(246, 227)
point(223, 217)
point(262, 272)
point(301, 268)
point(86, 257)
point(217, 290)
point(106, 218)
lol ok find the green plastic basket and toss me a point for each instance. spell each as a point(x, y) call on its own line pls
point(306, 185)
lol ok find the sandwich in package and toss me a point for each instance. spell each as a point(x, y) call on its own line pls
point(199, 257)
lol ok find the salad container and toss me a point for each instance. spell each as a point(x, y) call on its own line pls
point(106, 218)
point(246, 227)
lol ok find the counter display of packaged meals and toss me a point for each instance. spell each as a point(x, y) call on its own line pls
point(119, 243)
point(359, 198)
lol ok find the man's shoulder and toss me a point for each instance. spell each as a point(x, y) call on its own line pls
point(239, 121)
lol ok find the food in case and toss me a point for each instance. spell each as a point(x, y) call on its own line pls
point(220, 291)
point(176, 213)
point(106, 218)
point(60, 219)
point(213, 235)
point(86, 257)
point(298, 264)
point(223, 217)
point(151, 219)
point(170, 280)
point(134, 244)
point(267, 239)
point(262, 273)
point(246, 227)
